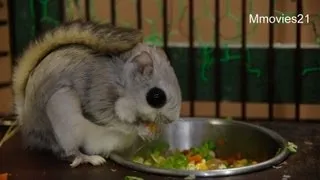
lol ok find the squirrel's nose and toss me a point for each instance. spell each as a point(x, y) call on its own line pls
point(156, 97)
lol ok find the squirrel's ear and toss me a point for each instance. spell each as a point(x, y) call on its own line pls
point(144, 63)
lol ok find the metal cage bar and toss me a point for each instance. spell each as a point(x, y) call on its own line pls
point(192, 75)
point(271, 63)
point(243, 73)
point(139, 14)
point(113, 12)
point(11, 18)
point(62, 11)
point(298, 64)
point(217, 70)
point(165, 25)
point(87, 10)
point(37, 16)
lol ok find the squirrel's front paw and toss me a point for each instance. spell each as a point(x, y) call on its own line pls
point(92, 159)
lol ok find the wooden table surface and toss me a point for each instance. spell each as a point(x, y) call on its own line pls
point(304, 165)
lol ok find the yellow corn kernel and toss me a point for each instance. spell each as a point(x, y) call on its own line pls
point(202, 165)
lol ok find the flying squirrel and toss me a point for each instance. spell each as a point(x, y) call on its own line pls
point(85, 89)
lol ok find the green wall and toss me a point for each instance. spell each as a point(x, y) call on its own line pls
point(256, 73)
point(24, 28)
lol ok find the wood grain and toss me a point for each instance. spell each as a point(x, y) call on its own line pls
point(5, 38)
point(3, 10)
point(6, 100)
point(5, 69)
point(254, 110)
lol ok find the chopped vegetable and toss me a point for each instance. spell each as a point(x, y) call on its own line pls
point(202, 165)
point(138, 159)
point(205, 150)
point(132, 178)
point(147, 162)
point(292, 147)
point(197, 158)
point(175, 161)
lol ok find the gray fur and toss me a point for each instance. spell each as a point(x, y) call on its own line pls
point(76, 99)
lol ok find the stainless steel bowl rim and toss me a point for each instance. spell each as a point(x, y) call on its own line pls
point(281, 156)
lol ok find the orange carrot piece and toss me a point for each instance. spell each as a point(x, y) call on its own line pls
point(196, 158)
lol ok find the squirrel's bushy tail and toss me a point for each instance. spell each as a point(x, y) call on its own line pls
point(103, 38)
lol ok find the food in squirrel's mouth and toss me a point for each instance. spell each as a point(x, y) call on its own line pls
point(152, 127)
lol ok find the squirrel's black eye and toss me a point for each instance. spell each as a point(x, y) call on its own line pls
point(156, 97)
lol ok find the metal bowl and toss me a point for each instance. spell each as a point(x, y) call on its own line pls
point(254, 142)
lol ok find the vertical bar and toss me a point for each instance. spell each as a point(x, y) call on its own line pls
point(37, 18)
point(217, 66)
point(243, 62)
point(271, 63)
point(165, 25)
point(10, 6)
point(298, 64)
point(192, 79)
point(87, 10)
point(113, 12)
point(62, 11)
point(139, 14)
